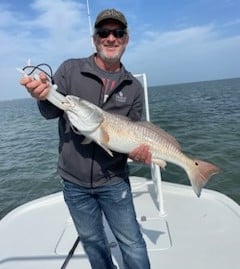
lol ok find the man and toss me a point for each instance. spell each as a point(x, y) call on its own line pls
point(93, 181)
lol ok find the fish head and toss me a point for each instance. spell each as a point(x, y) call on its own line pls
point(83, 115)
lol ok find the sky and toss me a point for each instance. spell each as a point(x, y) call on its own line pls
point(172, 41)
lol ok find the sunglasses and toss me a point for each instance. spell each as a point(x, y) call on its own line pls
point(118, 33)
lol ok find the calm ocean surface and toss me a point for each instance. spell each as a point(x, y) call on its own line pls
point(203, 116)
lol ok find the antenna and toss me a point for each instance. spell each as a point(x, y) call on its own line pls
point(90, 25)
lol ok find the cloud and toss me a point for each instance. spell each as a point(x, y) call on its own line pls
point(191, 54)
point(47, 34)
point(51, 35)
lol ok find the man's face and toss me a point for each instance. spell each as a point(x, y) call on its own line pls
point(111, 45)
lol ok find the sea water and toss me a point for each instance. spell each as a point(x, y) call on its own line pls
point(203, 116)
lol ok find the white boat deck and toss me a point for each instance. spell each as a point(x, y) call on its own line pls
point(194, 233)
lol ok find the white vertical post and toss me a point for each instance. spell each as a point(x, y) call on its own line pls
point(155, 170)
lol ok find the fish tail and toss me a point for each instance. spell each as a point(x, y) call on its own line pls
point(200, 173)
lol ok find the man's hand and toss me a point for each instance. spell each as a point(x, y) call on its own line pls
point(37, 88)
point(141, 154)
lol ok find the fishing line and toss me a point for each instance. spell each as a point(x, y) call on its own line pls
point(38, 68)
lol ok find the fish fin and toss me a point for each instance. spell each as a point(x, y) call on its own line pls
point(86, 141)
point(106, 149)
point(161, 132)
point(160, 162)
point(200, 174)
point(104, 139)
point(75, 130)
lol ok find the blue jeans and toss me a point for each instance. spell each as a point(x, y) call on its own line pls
point(86, 206)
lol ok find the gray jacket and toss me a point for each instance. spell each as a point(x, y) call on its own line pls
point(89, 165)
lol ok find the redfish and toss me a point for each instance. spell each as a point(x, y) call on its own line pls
point(120, 134)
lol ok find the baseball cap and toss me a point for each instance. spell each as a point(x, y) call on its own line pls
point(111, 14)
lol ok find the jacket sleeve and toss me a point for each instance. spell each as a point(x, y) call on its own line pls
point(48, 110)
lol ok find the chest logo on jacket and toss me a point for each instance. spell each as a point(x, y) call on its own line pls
point(120, 97)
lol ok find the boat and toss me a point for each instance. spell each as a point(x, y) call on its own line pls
point(180, 229)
